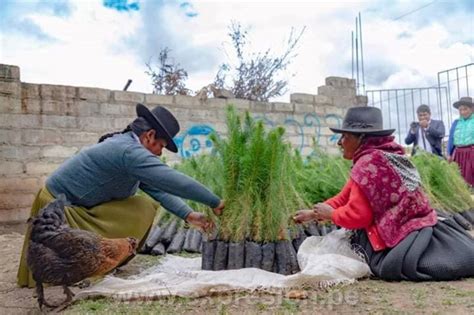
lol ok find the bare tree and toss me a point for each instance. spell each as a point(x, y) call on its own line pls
point(169, 78)
point(256, 77)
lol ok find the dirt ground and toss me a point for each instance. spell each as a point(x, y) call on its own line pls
point(365, 296)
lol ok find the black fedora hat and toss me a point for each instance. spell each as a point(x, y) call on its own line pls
point(466, 101)
point(363, 120)
point(163, 122)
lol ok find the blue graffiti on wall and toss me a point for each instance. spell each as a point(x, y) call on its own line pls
point(195, 140)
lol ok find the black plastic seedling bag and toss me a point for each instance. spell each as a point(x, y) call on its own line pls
point(158, 249)
point(253, 255)
point(195, 241)
point(236, 257)
point(268, 256)
point(285, 256)
point(177, 242)
point(153, 238)
point(208, 251)
point(312, 229)
point(220, 255)
point(170, 231)
point(299, 239)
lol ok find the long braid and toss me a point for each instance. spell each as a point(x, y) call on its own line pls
point(108, 135)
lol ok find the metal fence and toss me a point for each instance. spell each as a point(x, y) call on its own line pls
point(399, 105)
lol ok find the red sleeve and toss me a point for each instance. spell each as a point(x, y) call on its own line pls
point(356, 213)
point(341, 198)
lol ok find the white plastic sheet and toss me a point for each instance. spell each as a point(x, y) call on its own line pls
point(323, 261)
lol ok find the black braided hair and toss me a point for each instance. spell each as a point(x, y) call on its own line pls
point(111, 134)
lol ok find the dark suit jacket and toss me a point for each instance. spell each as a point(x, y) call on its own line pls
point(434, 135)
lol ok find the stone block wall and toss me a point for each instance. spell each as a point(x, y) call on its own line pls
point(41, 125)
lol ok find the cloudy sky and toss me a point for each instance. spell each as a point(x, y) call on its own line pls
point(102, 43)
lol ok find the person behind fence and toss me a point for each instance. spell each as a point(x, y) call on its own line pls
point(461, 139)
point(426, 134)
point(394, 225)
point(101, 184)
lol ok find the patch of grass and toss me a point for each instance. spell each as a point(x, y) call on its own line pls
point(288, 305)
point(418, 296)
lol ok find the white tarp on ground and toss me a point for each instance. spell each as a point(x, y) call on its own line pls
point(323, 261)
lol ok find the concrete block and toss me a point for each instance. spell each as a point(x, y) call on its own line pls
point(9, 73)
point(10, 88)
point(283, 107)
point(322, 99)
point(187, 101)
point(79, 138)
point(362, 100)
point(40, 136)
point(218, 103)
point(327, 90)
point(11, 167)
point(86, 108)
point(56, 107)
point(344, 101)
point(14, 201)
point(260, 107)
point(121, 123)
point(96, 124)
point(53, 121)
point(304, 108)
point(9, 104)
point(239, 103)
point(19, 121)
point(93, 94)
point(110, 109)
point(31, 106)
point(340, 82)
point(15, 215)
point(132, 97)
point(41, 167)
point(155, 99)
point(19, 153)
point(56, 92)
point(18, 184)
point(302, 98)
point(30, 90)
point(10, 136)
point(205, 116)
point(58, 151)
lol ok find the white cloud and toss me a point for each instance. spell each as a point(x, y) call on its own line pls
point(98, 46)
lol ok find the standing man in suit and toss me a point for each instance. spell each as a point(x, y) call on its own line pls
point(427, 133)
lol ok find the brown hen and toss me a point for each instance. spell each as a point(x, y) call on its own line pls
point(60, 255)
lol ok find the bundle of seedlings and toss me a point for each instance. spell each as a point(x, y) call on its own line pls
point(255, 230)
point(446, 188)
point(320, 176)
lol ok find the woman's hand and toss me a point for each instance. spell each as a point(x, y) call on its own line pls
point(218, 210)
point(200, 221)
point(302, 216)
point(322, 212)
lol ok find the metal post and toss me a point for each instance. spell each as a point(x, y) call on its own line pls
point(440, 101)
point(352, 63)
point(413, 105)
point(398, 115)
point(467, 81)
point(357, 57)
point(457, 80)
point(362, 54)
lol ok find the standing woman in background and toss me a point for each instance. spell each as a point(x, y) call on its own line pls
point(461, 139)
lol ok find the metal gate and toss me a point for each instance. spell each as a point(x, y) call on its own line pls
point(399, 105)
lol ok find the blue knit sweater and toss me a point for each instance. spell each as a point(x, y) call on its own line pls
point(116, 168)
